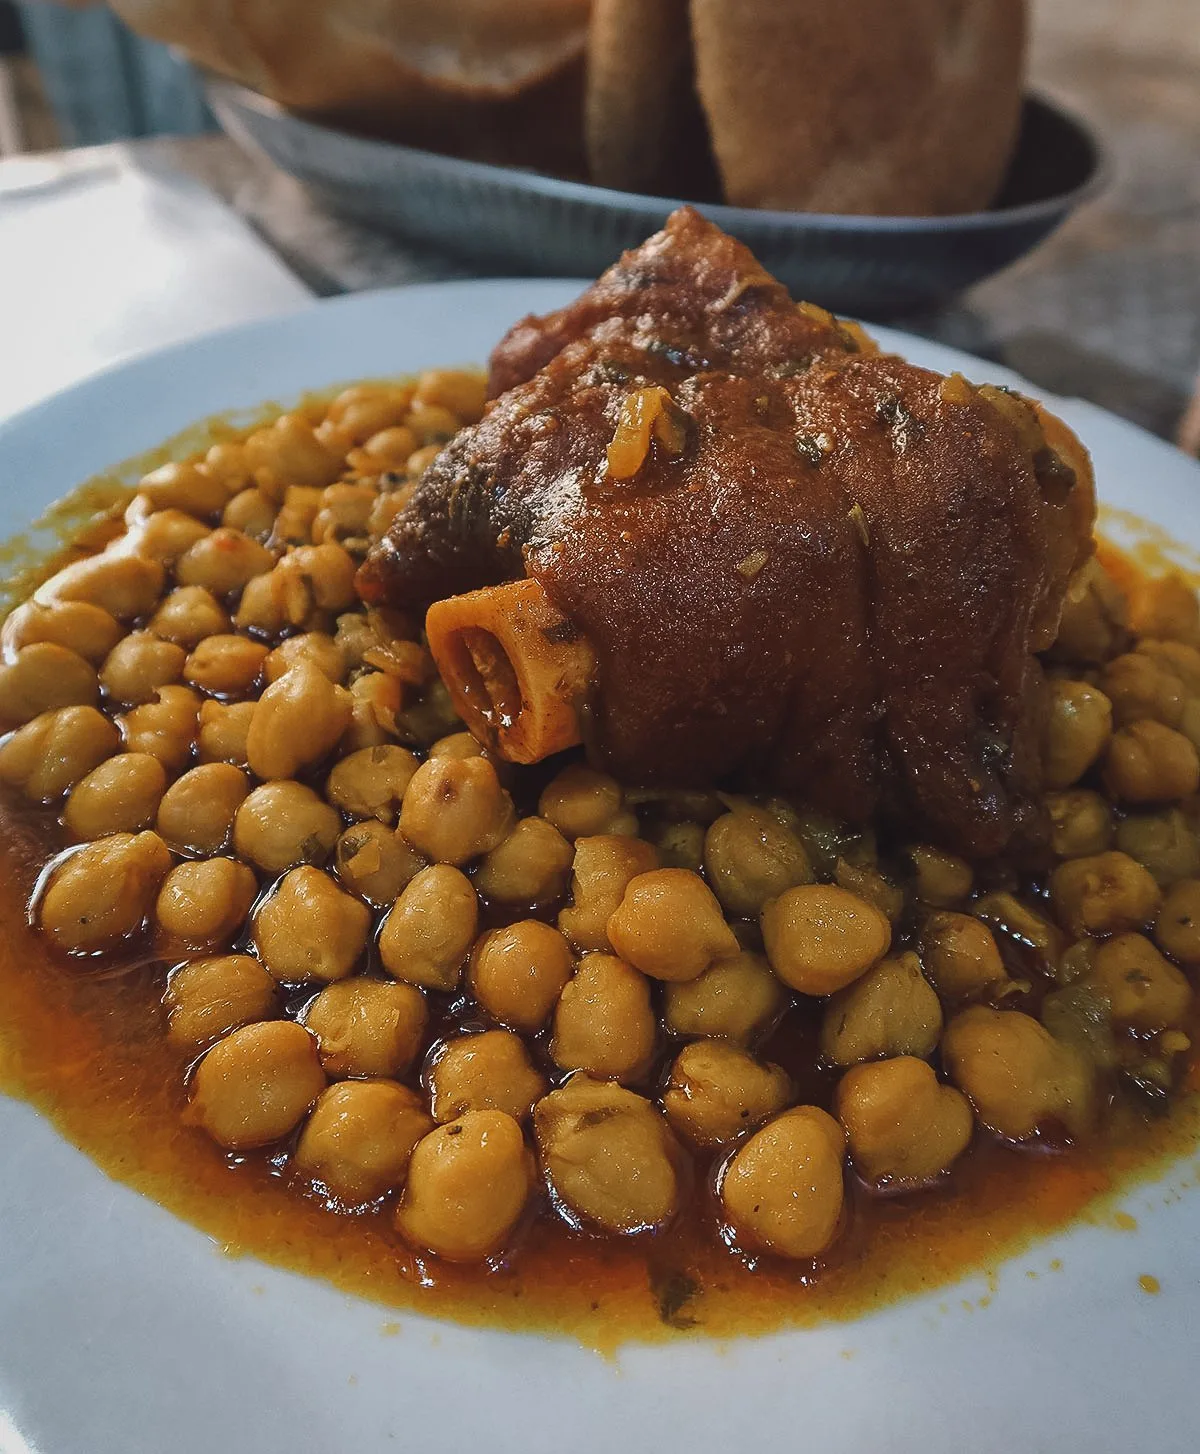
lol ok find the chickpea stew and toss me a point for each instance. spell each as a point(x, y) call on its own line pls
point(531, 1045)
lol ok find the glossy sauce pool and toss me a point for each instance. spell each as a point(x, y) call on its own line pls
point(86, 1046)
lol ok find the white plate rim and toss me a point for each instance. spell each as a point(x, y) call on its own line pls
point(124, 1329)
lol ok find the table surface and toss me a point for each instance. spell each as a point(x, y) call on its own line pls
point(1108, 309)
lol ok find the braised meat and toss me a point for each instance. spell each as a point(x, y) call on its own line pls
point(799, 563)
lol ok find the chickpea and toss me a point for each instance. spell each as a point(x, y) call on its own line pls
point(88, 630)
point(343, 515)
point(163, 537)
point(317, 648)
point(737, 999)
point(604, 1022)
point(529, 866)
point(365, 409)
point(104, 892)
point(49, 755)
point(1006, 913)
point(316, 578)
point(252, 512)
point(717, 1090)
point(670, 926)
point(120, 796)
point(368, 1027)
point(228, 463)
point(1144, 990)
point(680, 845)
point(223, 732)
point(1173, 656)
point(223, 562)
point(289, 453)
point(310, 929)
point(359, 1138)
point(432, 424)
point(890, 1010)
point(608, 1155)
point(226, 665)
point(206, 998)
point(137, 666)
point(1166, 608)
point(375, 703)
point(165, 728)
point(1106, 894)
point(518, 972)
point(1163, 843)
point(257, 1084)
point(42, 678)
point(1150, 763)
point(388, 505)
point(431, 716)
point(782, 1192)
point(870, 885)
point(386, 449)
point(426, 937)
point(601, 871)
point(468, 1183)
point(581, 803)
point(261, 608)
point(294, 522)
point(750, 857)
point(819, 938)
point(1177, 927)
point(283, 824)
point(463, 392)
point(186, 487)
point(941, 879)
point(454, 809)
point(458, 744)
point(1081, 823)
point(904, 1128)
point(487, 1072)
point(187, 616)
point(205, 903)
point(1016, 1075)
point(126, 586)
point(375, 862)
point(1140, 687)
point(296, 722)
point(1094, 618)
point(960, 956)
point(1077, 731)
point(354, 636)
point(371, 783)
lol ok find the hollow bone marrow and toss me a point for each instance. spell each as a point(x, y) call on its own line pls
point(785, 559)
point(517, 668)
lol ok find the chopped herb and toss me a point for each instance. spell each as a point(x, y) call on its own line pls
point(808, 447)
point(562, 633)
point(1054, 475)
point(673, 1290)
point(754, 562)
point(312, 849)
point(859, 521)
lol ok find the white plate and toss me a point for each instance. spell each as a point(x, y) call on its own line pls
point(125, 1331)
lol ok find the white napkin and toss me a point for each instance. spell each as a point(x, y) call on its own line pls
point(103, 256)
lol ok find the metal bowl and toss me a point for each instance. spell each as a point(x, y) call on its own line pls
point(506, 220)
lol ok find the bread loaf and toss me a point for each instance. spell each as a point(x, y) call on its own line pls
point(867, 106)
point(497, 79)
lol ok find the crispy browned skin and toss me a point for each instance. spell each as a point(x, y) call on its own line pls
point(835, 590)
